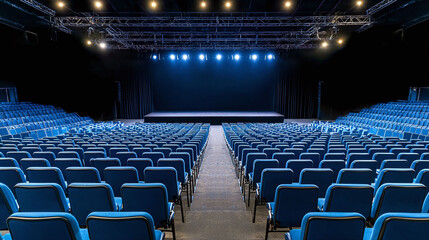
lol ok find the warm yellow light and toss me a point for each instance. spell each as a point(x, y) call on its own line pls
point(288, 4)
point(61, 4)
point(154, 4)
point(102, 45)
point(98, 4)
point(203, 4)
point(228, 4)
point(359, 3)
point(88, 42)
point(325, 44)
point(340, 41)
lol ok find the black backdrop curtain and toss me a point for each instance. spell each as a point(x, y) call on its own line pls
point(296, 94)
point(135, 91)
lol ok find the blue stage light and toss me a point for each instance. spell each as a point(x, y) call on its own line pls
point(270, 56)
point(202, 57)
point(219, 57)
point(154, 57)
point(254, 57)
point(172, 57)
point(237, 57)
point(185, 57)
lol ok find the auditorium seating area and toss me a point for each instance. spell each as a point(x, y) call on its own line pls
point(57, 182)
point(347, 182)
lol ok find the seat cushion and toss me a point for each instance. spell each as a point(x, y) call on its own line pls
point(295, 234)
point(158, 235)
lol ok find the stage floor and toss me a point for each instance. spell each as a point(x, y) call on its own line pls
point(214, 117)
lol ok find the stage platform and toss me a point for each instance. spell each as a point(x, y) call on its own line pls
point(214, 117)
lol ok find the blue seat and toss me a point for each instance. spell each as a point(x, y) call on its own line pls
point(356, 176)
point(116, 176)
point(380, 157)
point(334, 165)
point(8, 162)
point(18, 155)
point(255, 177)
point(64, 163)
point(398, 197)
point(315, 157)
point(11, 176)
point(79, 151)
point(82, 175)
point(283, 157)
point(271, 151)
point(50, 197)
point(134, 199)
point(271, 178)
point(321, 177)
point(102, 163)
point(371, 164)
point(55, 150)
point(348, 198)
point(33, 162)
point(140, 164)
point(139, 151)
point(394, 175)
point(399, 226)
point(8, 205)
point(168, 177)
point(410, 157)
point(394, 163)
point(335, 156)
point(124, 156)
point(357, 156)
point(297, 166)
point(45, 225)
point(68, 154)
point(329, 225)
point(86, 198)
point(154, 156)
point(115, 150)
point(418, 165)
point(122, 225)
point(291, 203)
point(50, 156)
point(46, 175)
point(423, 177)
point(182, 175)
point(88, 155)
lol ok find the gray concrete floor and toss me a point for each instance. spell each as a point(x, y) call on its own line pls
point(218, 210)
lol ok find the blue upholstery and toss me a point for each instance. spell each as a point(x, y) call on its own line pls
point(423, 177)
point(271, 178)
point(33, 162)
point(418, 165)
point(356, 176)
point(283, 157)
point(86, 198)
point(332, 226)
point(88, 155)
point(176, 163)
point(270, 151)
point(64, 163)
point(83, 175)
point(124, 156)
point(394, 163)
point(18, 155)
point(357, 156)
point(116, 176)
point(140, 164)
point(48, 155)
point(394, 175)
point(380, 157)
point(166, 176)
point(335, 156)
point(398, 197)
point(115, 150)
point(102, 163)
point(50, 197)
point(154, 156)
point(251, 157)
point(8, 205)
point(8, 162)
point(410, 157)
point(122, 225)
point(399, 226)
point(45, 225)
point(321, 177)
point(68, 154)
point(371, 164)
point(297, 166)
point(11, 176)
point(315, 157)
point(334, 165)
point(348, 198)
point(186, 157)
point(46, 175)
point(259, 166)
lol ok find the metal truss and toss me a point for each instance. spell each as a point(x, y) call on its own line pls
point(374, 9)
point(38, 6)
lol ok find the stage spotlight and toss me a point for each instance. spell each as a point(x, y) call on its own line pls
point(237, 57)
point(325, 44)
point(202, 57)
point(61, 4)
point(270, 56)
point(203, 4)
point(254, 57)
point(98, 4)
point(88, 42)
point(172, 57)
point(288, 4)
point(340, 41)
point(102, 45)
point(153, 4)
point(154, 57)
point(185, 57)
point(218, 57)
point(228, 4)
point(359, 3)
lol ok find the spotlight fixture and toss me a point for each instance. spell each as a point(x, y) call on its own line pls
point(102, 45)
point(359, 3)
point(270, 56)
point(340, 41)
point(153, 4)
point(237, 57)
point(185, 57)
point(203, 4)
point(325, 44)
point(61, 4)
point(254, 57)
point(218, 57)
point(88, 42)
point(228, 4)
point(154, 57)
point(172, 57)
point(288, 4)
point(98, 4)
point(202, 57)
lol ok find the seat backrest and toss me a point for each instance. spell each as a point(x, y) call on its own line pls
point(134, 199)
point(371, 164)
point(333, 226)
point(33, 162)
point(418, 165)
point(63, 163)
point(334, 165)
point(335, 156)
point(251, 157)
point(18, 155)
point(394, 163)
point(283, 157)
point(271, 178)
point(356, 176)
point(357, 156)
point(349, 198)
point(166, 176)
point(101, 163)
point(8, 162)
point(315, 157)
point(321, 177)
point(410, 157)
point(46, 175)
point(50, 197)
point(397, 226)
point(82, 175)
point(68, 154)
point(186, 157)
point(8, 205)
point(86, 198)
point(124, 156)
point(140, 150)
point(380, 157)
point(423, 177)
point(177, 163)
point(292, 202)
point(270, 151)
point(43, 225)
point(114, 150)
point(11, 176)
point(120, 225)
point(116, 176)
point(154, 156)
point(140, 164)
point(50, 156)
point(259, 165)
point(88, 155)
point(297, 166)
point(394, 175)
point(398, 197)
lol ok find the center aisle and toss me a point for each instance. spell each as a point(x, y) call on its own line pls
point(218, 211)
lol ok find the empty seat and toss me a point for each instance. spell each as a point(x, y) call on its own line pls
point(18, 155)
point(315, 157)
point(356, 176)
point(297, 166)
point(122, 225)
point(283, 157)
point(50, 197)
point(50, 156)
point(11, 176)
point(154, 156)
point(410, 157)
point(371, 164)
point(380, 157)
point(335, 156)
point(334, 165)
point(321, 177)
point(423, 177)
point(394, 164)
point(46, 175)
point(68, 154)
point(8, 162)
point(88, 155)
point(332, 226)
point(82, 175)
point(140, 164)
point(357, 156)
point(255, 176)
point(418, 165)
point(101, 163)
point(116, 176)
point(394, 175)
point(33, 162)
point(8, 205)
point(64, 163)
